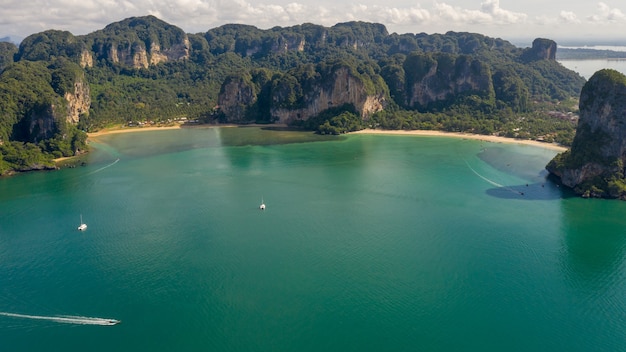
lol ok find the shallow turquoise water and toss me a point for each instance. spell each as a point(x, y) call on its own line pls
point(368, 243)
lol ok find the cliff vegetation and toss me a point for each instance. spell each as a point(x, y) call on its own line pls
point(56, 85)
point(594, 166)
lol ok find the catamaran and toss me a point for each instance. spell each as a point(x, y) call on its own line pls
point(82, 226)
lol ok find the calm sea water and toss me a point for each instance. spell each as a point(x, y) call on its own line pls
point(369, 242)
point(586, 68)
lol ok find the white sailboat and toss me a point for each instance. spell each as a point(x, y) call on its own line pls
point(82, 226)
point(262, 206)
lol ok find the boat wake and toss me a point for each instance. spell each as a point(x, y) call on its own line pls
point(66, 319)
point(492, 182)
point(104, 167)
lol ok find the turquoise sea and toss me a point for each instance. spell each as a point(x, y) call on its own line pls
point(368, 243)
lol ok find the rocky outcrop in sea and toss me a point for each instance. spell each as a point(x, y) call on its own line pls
point(594, 166)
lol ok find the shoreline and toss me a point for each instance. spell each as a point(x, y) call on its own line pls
point(116, 130)
point(428, 133)
point(472, 136)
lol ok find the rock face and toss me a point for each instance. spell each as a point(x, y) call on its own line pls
point(288, 42)
point(247, 40)
point(138, 42)
point(43, 121)
point(78, 101)
point(441, 78)
point(86, 59)
point(281, 44)
point(178, 51)
point(133, 55)
point(236, 96)
point(542, 49)
point(344, 89)
point(291, 98)
point(137, 56)
point(594, 166)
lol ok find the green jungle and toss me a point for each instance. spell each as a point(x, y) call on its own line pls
point(55, 87)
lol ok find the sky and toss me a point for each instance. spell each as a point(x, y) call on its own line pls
point(569, 22)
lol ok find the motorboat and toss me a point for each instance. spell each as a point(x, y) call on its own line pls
point(82, 226)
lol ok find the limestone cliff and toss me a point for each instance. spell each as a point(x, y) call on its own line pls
point(137, 55)
point(133, 55)
point(344, 88)
point(44, 120)
point(594, 166)
point(177, 51)
point(299, 95)
point(542, 49)
point(279, 44)
point(444, 78)
point(41, 122)
point(78, 101)
point(136, 42)
point(86, 59)
point(288, 42)
point(139, 42)
point(236, 97)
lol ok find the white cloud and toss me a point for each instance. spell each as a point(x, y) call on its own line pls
point(200, 15)
point(391, 15)
point(568, 17)
point(607, 14)
point(499, 15)
point(458, 15)
point(21, 18)
point(490, 13)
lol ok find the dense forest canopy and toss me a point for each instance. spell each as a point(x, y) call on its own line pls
point(56, 86)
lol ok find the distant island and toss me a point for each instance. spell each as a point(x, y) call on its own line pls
point(56, 86)
point(589, 54)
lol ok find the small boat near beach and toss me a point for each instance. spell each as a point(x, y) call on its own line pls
point(82, 226)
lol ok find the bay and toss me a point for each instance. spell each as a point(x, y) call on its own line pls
point(586, 68)
point(368, 242)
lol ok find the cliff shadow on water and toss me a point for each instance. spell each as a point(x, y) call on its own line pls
point(523, 163)
point(547, 190)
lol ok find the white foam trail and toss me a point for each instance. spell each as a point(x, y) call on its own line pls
point(490, 181)
point(481, 176)
point(65, 319)
point(104, 167)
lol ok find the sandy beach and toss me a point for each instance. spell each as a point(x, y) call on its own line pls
point(115, 130)
point(493, 139)
point(131, 129)
point(486, 138)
